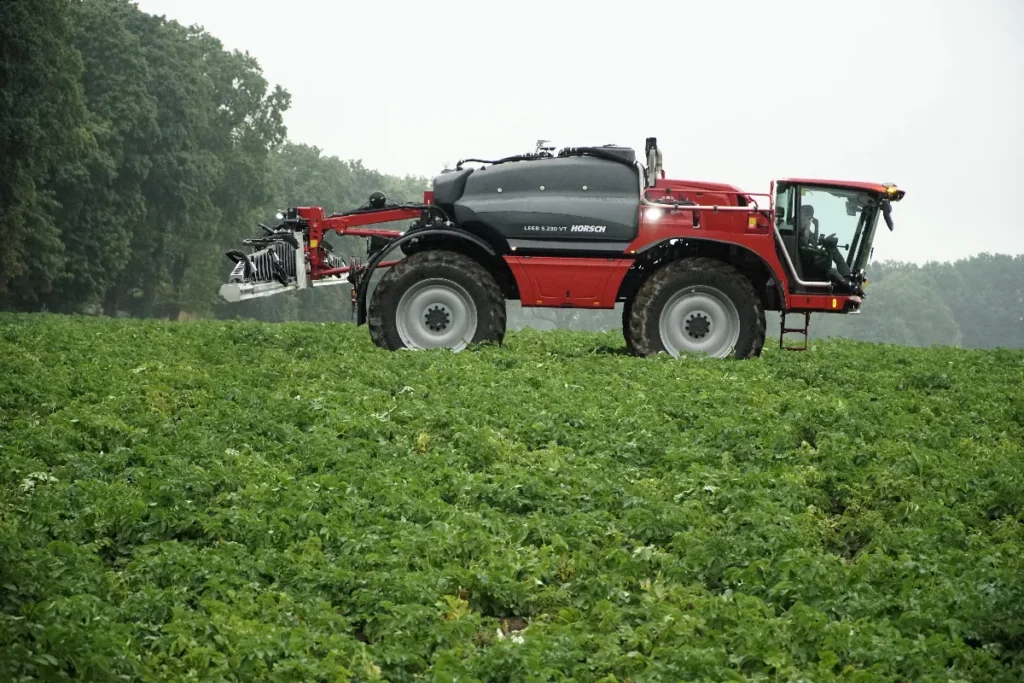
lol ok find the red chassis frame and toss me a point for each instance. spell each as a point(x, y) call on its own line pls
point(594, 282)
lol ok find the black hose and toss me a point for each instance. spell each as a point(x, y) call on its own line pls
point(517, 157)
point(569, 151)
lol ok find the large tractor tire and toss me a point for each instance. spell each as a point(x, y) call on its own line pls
point(627, 311)
point(696, 306)
point(436, 299)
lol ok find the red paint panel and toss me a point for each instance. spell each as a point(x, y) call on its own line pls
point(347, 225)
point(568, 282)
point(340, 223)
point(310, 213)
point(730, 228)
point(822, 302)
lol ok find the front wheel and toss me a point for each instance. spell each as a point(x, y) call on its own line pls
point(699, 306)
point(436, 299)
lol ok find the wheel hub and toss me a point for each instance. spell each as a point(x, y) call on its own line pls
point(438, 318)
point(697, 325)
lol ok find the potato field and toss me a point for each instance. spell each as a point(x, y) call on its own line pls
point(240, 501)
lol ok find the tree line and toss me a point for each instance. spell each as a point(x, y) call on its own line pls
point(976, 302)
point(136, 151)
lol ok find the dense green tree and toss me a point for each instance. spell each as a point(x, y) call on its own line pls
point(102, 200)
point(216, 124)
point(901, 308)
point(976, 302)
point(43, 131)
point(986, 296)
point(135, 148)
point(247, 127)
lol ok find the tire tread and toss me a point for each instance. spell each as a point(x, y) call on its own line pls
point(708, 270)
point(493, 316)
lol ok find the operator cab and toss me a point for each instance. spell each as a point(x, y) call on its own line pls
point(826, 230)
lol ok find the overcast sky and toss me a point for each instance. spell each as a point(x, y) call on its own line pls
point(926, 94)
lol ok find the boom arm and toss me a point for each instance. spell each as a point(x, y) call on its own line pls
point(295, 256)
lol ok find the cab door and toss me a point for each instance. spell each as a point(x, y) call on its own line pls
point(787, 203)
point(807, 213)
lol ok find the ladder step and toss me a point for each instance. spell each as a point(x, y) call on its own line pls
point(794, 330)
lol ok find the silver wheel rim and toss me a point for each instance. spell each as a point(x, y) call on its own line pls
point(436, 313)
point(701, 320)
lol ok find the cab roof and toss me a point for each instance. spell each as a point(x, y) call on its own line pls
point(858, 184)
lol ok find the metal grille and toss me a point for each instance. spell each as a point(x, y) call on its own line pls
point(333, 261)
point(279, 257)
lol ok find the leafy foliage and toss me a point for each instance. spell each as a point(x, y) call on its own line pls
point(42, 131)
point(976, 302)
point(101, 197)
point(243, 501)
point(140, 139)
point(137, 151)
point(217, 121)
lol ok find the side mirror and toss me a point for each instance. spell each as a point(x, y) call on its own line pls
point(887, 214)
point(780, 213)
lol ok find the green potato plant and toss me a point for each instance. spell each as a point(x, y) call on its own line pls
point(241, 501)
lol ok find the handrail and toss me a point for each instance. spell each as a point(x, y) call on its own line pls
point(738, 193)
point(715, 208)
point(792, 268)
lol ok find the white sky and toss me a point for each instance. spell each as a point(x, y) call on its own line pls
point(926, 94)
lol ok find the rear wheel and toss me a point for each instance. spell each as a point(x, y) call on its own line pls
point(436, 299)
point(627, 310)
point(696, 305)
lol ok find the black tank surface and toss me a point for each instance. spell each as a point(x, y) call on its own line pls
point(569, 199)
